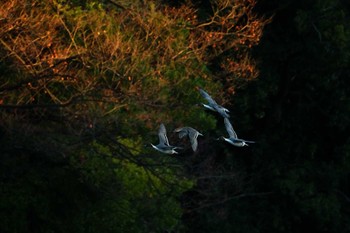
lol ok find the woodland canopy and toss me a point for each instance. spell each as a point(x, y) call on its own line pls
point(84, 86)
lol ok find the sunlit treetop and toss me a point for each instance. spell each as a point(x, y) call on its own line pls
point(133, 63)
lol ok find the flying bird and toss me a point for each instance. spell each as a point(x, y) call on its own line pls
point(163, 145)
point(191, 133)
point(233, 139)
point(212, 105)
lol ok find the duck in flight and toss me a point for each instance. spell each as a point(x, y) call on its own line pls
point(212, 105)
point(233, 139)
point(163, 145)
point(191, 133)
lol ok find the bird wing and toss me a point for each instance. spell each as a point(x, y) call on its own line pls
point(163, 139)
point(207, 97)
point(182, 134)
point(229, 128)
point(193, 134)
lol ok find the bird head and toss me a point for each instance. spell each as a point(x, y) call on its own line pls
point(177, 130)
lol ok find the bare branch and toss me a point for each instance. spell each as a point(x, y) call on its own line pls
point(227, 199)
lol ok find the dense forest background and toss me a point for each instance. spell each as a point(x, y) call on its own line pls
point(84, 86)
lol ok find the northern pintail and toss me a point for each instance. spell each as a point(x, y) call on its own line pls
point(212, 105)
point(192, 135)
point(233, 139)
point(164, 145)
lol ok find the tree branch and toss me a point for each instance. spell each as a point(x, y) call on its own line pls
point(72, 100)
point(39, 77)
point(224, 200)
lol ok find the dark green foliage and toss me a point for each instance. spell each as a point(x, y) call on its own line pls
point(74, 137)
point(298, 111)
